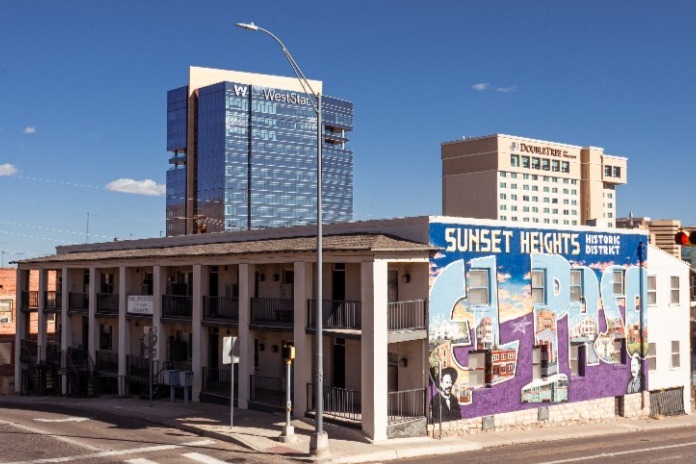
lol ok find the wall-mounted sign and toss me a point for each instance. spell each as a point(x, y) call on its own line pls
point(141, 304)
point(5, 311)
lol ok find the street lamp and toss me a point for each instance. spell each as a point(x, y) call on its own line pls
point(319, 443)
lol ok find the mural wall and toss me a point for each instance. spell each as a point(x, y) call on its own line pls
point(521, 317)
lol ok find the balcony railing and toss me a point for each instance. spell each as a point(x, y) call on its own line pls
point(406, 405)
point(272, 311)
point(138, 368)
point(223, 309)
point(30, 352)
point(107, 303)
point(53, 353)
point(177, 306)
point(30, 300)
point(405, 315)
point(217, 382)
point(338, 402)
point(268, 391)
point(78, 302)
point(338, 314)
point(107, 362)
point(53, 301)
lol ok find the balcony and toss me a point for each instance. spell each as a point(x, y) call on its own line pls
point(339, 403)
point(177, 307)
point(30, 301)
point(107, 304)
point(78, 303)
point(107, 363)
point(220, 309)
point(338, 314)
point(53, 301)
point(407, 320)
point(272, 312)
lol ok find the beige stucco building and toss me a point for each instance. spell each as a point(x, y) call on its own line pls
point(525, 180)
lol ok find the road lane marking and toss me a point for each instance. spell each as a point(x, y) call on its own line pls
point(140, 461)
point(38, 431)
point(67, 419)
point(203, 458)
point(620, 453)
point(199, 443)
point(103, 454)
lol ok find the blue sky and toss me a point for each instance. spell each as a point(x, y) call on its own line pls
point(83, 97)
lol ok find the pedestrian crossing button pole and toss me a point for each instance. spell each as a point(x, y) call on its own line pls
point(288, 434)
point(229, 345)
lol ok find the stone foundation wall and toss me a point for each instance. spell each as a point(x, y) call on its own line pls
point(551, 415)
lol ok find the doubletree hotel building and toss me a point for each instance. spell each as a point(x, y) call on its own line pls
point(244, 153)
point(525, 180)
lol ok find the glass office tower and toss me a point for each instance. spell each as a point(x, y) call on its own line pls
point(243, 154)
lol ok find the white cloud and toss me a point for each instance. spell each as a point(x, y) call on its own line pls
point(7, 170)
point(29, 130)
point(139, 187)
point(511, 89)
point(481, 86)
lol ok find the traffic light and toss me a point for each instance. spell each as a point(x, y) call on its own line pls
point(685, 238)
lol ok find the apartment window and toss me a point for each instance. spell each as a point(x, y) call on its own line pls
point(525, 209)
point(538, 291)
point(575, 285)
point(502, 174)
point(547, 210)
point(525, 219)
point(555, 211)
point(555, 221)
point(513, 175)
point(535, 163)
point(525, 197)
point(535, 209)
point(513, 186)
point(513, 197)
point(565, 201)
point(554, 180)
point(546, 178)
point(565, 191)
point(676, 361)
point(525, 176)
point(535, 177)
point(555, 166)
point(503, 207)
point(535, 188)
point(535, 199)
point(525, 161)
point(545, 164)
point(554, 190)
point(565, 166)
point(554, 200)
point(674, 290)
point(652, 290)
point(513, 208)
point(546, 221)
point(503, 218)
point(513, 218)
point(652, 357)
point(575, 223)
point(547, 200)
point(478, 287)
point(503, 185)
point(525, 187)
point(577, 359)
point(607, 171)
point(546, 189)
point(616, 171)
point(514, 160)
point(503, 196)
point(619, 282)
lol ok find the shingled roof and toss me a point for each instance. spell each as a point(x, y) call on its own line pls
point(342, 242)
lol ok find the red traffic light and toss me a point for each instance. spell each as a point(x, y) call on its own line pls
point(685, 238)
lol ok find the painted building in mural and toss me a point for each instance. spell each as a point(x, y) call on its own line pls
point(522, 316)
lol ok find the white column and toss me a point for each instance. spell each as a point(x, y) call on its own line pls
point(42, 338)
point(93, 325)
point(374, 387)
point(246, 340)
point(20, 325)
point(66, 324)
point(123, 349)
point(159, 286)
point(303, 341)
point(196, 331)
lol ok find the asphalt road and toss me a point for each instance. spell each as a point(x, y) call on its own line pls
point(58, 434)
point(665, 446)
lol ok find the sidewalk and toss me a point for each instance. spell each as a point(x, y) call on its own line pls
point(259, 431)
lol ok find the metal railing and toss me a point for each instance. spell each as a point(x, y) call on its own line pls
point(405, 405)
point(268, 391)
point(405, 315)
point(107, 303)
point(338, 402)
point(337, 314)
point(177, 306)
point(78, 302)
point(107, 362)
point(218, 308)
point(138, 368)
point(53, 354)
point(276, 311)
point(668, 402)
point(30, 300)
point(29, 353)
point(53, 301)
point(217, 382)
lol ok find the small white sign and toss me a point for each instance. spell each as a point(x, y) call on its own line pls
point(141, 304)
point(228, 348)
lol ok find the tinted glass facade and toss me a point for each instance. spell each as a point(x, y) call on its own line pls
point(256, 158)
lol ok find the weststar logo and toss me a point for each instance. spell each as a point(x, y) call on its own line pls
point(295, 98)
